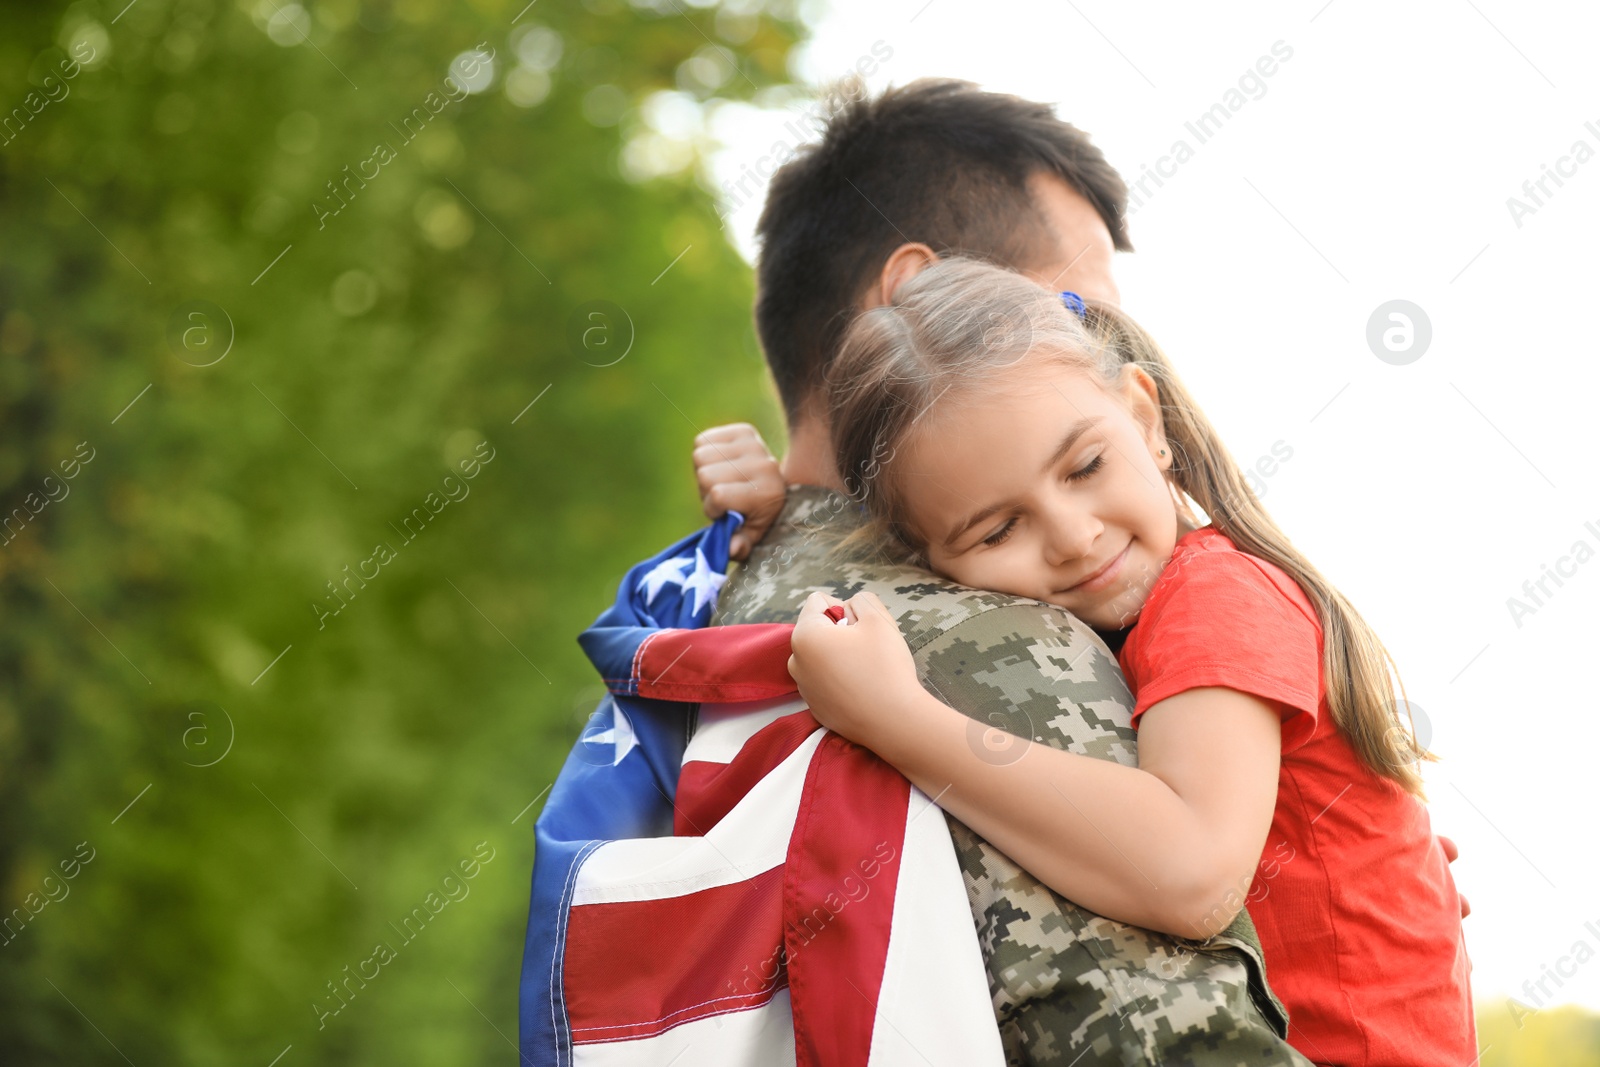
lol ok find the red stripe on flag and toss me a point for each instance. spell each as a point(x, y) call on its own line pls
point(687, 957)
point(838, 900)
point(708, 791)
point(716, 664)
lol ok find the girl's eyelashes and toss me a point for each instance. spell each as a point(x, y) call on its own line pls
point(1001, 534)
point(1088, 468)
point(1085, 471)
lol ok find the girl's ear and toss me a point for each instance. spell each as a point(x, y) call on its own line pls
point(1143, 397)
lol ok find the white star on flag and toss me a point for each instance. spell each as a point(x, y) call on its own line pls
point(668, 571)
point(620, 736)
point(704, 581)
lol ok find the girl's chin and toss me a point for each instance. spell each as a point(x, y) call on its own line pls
point(1109, 617)
point(1124, 620)
point(1101, 620)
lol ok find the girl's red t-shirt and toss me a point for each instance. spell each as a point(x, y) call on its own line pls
point(1353, 900)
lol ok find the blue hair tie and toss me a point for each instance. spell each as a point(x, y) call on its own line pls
point(1075, 302)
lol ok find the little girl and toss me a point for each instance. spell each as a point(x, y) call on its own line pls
point(1013, 440)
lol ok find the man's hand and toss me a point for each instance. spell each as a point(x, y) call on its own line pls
point(857, 676)
point(1450, 854)
point(737, 473)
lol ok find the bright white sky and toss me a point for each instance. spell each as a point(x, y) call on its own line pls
point(1376, 166)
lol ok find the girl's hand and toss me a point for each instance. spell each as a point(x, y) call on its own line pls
point(737, 473)
point(858, 676)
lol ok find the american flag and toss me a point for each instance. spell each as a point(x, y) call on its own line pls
point(720, 881)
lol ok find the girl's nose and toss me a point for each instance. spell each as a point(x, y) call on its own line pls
point(1071, 532)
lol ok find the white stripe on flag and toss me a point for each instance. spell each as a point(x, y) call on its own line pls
point(754, 1037)
point(724, 728)
point(934, 1005)
point(750, 839)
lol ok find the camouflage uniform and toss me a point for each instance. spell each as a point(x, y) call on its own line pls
point(1069, 987)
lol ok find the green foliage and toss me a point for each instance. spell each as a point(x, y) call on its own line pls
point(1513, 1034)
point(162, 607)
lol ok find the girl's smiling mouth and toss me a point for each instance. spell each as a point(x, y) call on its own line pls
point(1104, 576)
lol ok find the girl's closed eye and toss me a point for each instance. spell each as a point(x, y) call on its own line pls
point(1001, 534)
point(1085, 471)
point(1088, 468)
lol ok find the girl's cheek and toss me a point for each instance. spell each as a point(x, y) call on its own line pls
point(1015, 572)
point(974, 575)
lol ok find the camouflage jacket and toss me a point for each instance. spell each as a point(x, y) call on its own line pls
point(1069, 987)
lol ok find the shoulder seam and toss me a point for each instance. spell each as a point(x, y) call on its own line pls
point(1261, 565)
point(1265, 568)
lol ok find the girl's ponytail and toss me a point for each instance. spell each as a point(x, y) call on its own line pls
point(1357, 669)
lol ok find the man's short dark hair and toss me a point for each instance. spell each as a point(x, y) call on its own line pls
point(938, 161)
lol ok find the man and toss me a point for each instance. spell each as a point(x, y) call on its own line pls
point(934, 168)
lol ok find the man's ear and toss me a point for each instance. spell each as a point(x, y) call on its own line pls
point(1143, 397)
point(903, 263)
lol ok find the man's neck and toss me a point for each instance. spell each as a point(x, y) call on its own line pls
point(809, 460)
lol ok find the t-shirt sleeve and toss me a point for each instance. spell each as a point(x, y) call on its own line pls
point(1226, 619)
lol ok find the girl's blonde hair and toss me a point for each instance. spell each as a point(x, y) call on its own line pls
point(953, 325)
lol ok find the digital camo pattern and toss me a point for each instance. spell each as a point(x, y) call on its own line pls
point(1069, 987)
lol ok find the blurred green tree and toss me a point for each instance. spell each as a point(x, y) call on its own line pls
point(273, 664)
point(1513, 1034)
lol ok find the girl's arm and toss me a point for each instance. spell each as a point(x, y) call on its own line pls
point(737, 473)
point(1170, 845)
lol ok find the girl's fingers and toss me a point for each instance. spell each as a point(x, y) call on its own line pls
point(813, 608)
point(868, 602)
